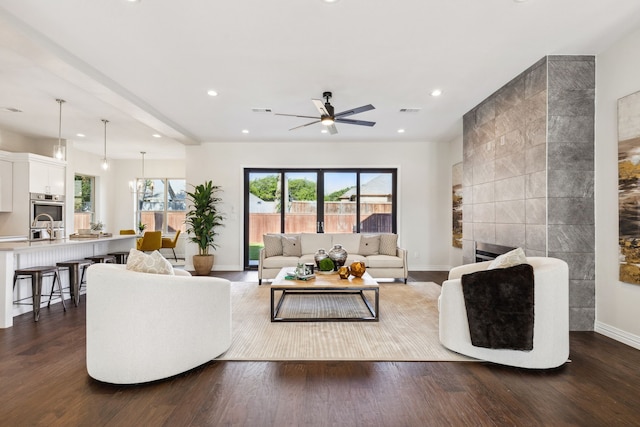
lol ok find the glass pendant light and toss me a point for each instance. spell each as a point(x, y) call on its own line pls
point(59, 150)
point(105, 161)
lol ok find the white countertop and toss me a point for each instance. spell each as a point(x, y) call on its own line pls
point(43, 244)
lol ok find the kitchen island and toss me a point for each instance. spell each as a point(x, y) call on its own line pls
point(23, 254)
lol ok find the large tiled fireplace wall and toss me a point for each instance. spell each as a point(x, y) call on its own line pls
point(528, 172)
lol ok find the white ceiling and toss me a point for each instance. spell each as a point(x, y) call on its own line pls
point(146, 66)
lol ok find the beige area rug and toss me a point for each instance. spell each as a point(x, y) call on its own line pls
point(407, 330)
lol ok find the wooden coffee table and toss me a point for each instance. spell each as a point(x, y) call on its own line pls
point(325, 284)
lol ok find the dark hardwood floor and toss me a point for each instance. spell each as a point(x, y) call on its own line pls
point(43, 381)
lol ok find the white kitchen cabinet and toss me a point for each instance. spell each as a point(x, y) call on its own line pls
point(46, 178)
point(6, 186)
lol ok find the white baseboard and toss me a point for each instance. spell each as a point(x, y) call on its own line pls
point(618, 334)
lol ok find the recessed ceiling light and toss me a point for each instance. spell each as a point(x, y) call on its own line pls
point(436, 92)
point(212, 93)
point(80, 135)
point(400, 130)
point(245, 130)
point(324, 131)
point(156, 135)
point(330, 1)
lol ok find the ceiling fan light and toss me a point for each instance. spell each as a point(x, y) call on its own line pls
point(327, 121)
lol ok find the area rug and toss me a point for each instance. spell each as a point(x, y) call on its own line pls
point(407, 330)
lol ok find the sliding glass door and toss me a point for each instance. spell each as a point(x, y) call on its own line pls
point(316, 201)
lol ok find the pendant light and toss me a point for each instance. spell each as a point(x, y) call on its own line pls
point(105, 161)
point(59, 150)
point(137, 186)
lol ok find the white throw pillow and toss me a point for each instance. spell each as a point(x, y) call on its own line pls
point(272, 245)
point(154, 263)
point(510, 259)
point(388, 244)
point(291, 245)
point(369, 244)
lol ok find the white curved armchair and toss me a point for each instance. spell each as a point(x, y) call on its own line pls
point(143, 327)
point(551, 317)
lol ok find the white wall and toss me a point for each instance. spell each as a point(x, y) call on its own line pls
point(455, 156)
point(617, 303)
point(423, 189)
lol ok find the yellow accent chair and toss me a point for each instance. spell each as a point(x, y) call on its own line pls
point(127, 232)
point(150, 241)
point(171, 244)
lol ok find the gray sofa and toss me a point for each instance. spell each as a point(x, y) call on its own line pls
point(380, 253)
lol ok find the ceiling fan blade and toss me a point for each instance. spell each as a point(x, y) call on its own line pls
point(356, 110)
point(296, 115)
point(320, 106)
point(355, 122)
point(308, 124)
point(332, 129)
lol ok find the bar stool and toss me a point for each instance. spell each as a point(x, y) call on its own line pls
point(102, 258)
point(37, 274)
point(75, 278)
point(121, 257)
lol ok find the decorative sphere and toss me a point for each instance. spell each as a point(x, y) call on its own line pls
point(343, 272)
point(357, 268)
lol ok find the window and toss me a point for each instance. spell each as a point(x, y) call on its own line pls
point(83, 202)
point(161, 204)
point(317, 201)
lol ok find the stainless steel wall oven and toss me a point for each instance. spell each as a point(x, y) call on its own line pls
point(47, 216)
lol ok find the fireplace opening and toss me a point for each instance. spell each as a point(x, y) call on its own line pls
point(489, 251)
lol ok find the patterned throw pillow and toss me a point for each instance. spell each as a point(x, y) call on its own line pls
point(510, 259)
point(291, 245)
point(369, 245)
point(154, 263)
point(272, 245)
point(388, 244)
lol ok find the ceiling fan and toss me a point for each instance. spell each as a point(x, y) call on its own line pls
point(328, 118)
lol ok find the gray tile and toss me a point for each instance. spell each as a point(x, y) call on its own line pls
point(510, 189)
point(571, 238)
point(484, 193)
point(536, 185)
point(510, 235)
point(484, 212)
point(467, 195)
point(571, 129)
point(469, 120)
point(582, 266)
point(510, 212)
point(536, 107)
point(573, 74)
point(536, 158)
point(467, 173)
point(536, 132)
point(484, 172)
point(486, 132)
point(510, 143)
point(486, 111)
point(468, 254)
point(568, 183)
point(535, 80)
point(571, 155)
point(467, 230)
point(484, 232)
point(565, 102)
point(536, 237)
point(536, 211)
point(581, 319)
point(509, 166)
point(567, 210)
point(582, 293)
point(484, 153)
point(509, 95)
point(510, 120)
point(531, 252)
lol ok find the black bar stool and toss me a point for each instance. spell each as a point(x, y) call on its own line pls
point(102, 258)
point(37, 274)
point(75, 278)
point(121, 257)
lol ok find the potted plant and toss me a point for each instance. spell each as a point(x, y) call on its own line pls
point(202, 221)
point(141, 227)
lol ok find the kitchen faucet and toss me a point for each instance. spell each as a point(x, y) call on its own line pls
point(49, 227)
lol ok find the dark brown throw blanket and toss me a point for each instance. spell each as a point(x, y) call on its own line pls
point(499, 306)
